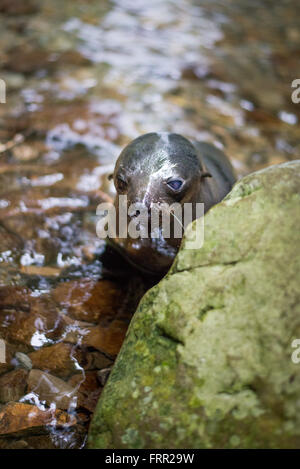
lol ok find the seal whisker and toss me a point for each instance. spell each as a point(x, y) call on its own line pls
point(173, 214)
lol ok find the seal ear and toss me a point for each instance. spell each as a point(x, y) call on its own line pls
point(205, 174)
point(110, 176)
point(203, 171)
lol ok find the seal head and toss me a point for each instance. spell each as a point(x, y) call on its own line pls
point(158, 169)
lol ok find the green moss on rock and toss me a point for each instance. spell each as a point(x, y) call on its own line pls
point(207, 358)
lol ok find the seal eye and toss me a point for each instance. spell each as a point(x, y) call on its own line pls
point(121, 185)
point(175, 184)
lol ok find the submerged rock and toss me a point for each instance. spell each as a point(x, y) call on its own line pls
point(51, 389)
point(31, 442)
point(9, 241)
point(12, 385)
point(16, 7)
point(106, 339)
point(87, 389)
point(207, 359)
point(19, 418)
point(28, 320)
point(23, 361)
point(89, 300)
point(61, 359)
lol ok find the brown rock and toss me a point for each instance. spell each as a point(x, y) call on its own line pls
point(26, 319)
point(27, 60)
point(72, 57)
point(87, 300)
point(60, 359)
point(13, 385)
point(28, 227)
point(17, 417)
point(9, 241)
point(70, 440)
point(96, 361)
point(54, 113)
point(8, 443)
point(89, 389)
point(51, 389)
point(75, 330)
point(261, 116)
point(106, 339)
point(17, 7)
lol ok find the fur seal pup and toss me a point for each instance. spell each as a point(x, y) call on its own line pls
point(166, 168)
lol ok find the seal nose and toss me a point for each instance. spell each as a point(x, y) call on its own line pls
point(136, 214)
point(138, 208)
point(140, 203)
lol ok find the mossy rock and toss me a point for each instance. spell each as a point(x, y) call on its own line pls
point(207, 358)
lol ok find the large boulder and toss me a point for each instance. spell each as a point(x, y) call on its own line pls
point(207, 358)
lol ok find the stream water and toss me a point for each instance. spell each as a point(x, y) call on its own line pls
point(82, 80)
